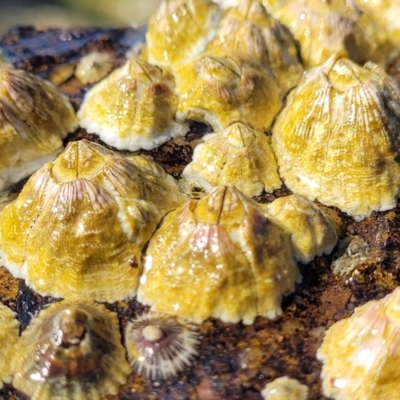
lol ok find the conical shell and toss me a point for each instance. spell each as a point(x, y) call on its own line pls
point(79, 225)
point(223, 250)
point(361, 354)
point(337, 138)
point(34, 118)
point(70, 351)
point(133, 108)
point(238, 156)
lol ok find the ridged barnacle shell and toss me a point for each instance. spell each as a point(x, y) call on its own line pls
point(227, 90)
point(9, 332)
point(70, 351)
point(180, 29)
point(133, 108)
point(79, 225)
point(160, 345)
point(285, 388)
point(312, 233)
point(34, 118)
point(248, 30)
point(361, 354)
point(93, 67)
point(239, 156)
point(324, 28)
point(222, 250)
point(337, 138)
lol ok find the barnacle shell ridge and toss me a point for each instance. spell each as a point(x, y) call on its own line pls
point(70, 351)
point(222, 249)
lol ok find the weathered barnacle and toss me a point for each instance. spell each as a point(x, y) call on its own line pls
point(34, 118)
point(361, 354)
point(222, 249)
point(70, 351)
point(311, 231)
point(160, 345)
point(93, 67)
point(285, 388)
point(9, 331)
point(133, 108)
point(79, 225)
point(337, 138)
point(180, 29)
point(227, 90)
point(239, 156)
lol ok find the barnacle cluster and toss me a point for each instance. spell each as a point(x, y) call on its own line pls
point(105, 225)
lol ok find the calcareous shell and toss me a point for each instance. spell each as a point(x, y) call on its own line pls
point(361, 354)
point(70, 351)
point(34, 118)
point(219, 257)
point(160, 345)
point(93, 67)
point(337, 138)
point(285, 388)
point(133, 108)
point(238, 156)
point(79, 225)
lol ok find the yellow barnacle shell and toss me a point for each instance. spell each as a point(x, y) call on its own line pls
point(70, 351)
point(222, 250)
point(227, 90)
point(180, 30)
point(312, 233)
point(133, 108)
point(238, 156)
point(285, 388)
point(34, 118)
point(361, 354)
point(9, 331)
point(337, 137)
point(93, 67)
point(79, 225)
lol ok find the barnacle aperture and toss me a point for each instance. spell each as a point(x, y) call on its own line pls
point(79, 225)
point(70, 351)
point(223, 251)
point(337, 138)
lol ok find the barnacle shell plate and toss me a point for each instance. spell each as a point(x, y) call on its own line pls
point(337, 137)
point(223, 250)
point(361, 354)
point(70, 351)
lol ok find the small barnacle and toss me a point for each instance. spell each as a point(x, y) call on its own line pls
point(361, 354)
point(70, 351)
point(79, 225)
point(179, 30)
point(93, 67)
point(133, 108)
point(34, 118)
point(160, 345)
point(222, 249)
point(227, 90)
point(9, 331)
point(285, 388)
point(312, 233)
point(337, 137)
point(238, 156)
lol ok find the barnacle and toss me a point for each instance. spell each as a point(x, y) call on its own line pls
point(133, 108)
point(337, 108)
point(70, 351)
point(361, 354)
point(93, 67)
point(180, 29)
point(160, 345)
point(9, 330)
point(285, 388)
point(238, 156)
point(312, 233)
point(34, 118)
point(227, 90)
point(79, 225)
point(222, 249)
